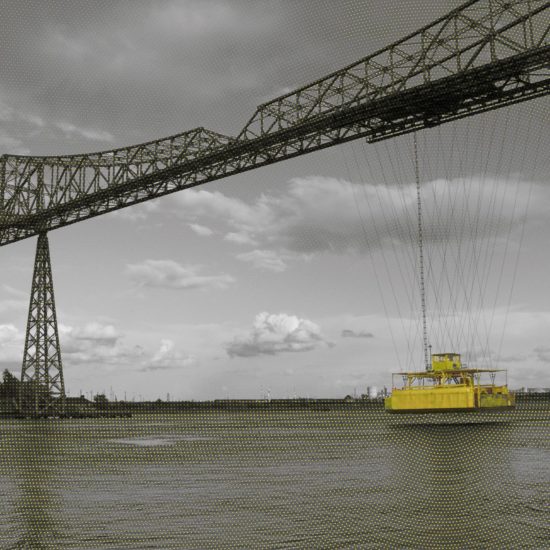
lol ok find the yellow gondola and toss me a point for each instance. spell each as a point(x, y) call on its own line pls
point(448, 387)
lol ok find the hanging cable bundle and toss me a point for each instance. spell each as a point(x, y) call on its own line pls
point(444, 232)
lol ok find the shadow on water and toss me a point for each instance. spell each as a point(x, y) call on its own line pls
point(30, 459)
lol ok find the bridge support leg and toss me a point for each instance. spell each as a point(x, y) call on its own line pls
point(42, 391)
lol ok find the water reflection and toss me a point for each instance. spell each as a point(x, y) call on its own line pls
point(452, 485)
point(30, 455)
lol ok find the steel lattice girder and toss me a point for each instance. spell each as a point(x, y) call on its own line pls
point(484, 55)
point(42, 391)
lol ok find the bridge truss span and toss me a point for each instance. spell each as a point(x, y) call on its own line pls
point(481, 56)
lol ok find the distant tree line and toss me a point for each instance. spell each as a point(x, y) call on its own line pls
point(10, 386)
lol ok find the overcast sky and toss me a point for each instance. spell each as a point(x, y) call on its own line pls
point(299, 278)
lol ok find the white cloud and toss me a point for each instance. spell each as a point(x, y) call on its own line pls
point(264, 259)
point(71, 130)
point(168, 357)
point(170, 274)
point(245, 218)
point(201, 230)
point(240, 238)
point(137, 212)
point(272, 334)
point(93, 343)
point(102, 345)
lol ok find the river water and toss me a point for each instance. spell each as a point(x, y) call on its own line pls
point(348, 478)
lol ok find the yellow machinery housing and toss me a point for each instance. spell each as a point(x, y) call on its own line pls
point(446, 387)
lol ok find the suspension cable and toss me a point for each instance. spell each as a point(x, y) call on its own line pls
point(421, 257)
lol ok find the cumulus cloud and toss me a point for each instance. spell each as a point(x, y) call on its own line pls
point(96, 343)
point(102, 345)
point(272, 334)
point(95, 332)
point(172, 275)
point(168, 357)
point(348, 333)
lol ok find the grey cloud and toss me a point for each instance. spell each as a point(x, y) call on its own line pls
point(319, 214)
point(543, 353)
point(170, 274)
point(140, 69)
point(348, 333)
point(11, 144)
point(137, 71)
point(240, 238)
point(105, 335)
point(264, 259)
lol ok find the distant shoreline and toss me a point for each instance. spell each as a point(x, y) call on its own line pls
point(76, 406)
point(272, 404)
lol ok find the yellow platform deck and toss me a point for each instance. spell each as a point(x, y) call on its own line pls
point(448, 387)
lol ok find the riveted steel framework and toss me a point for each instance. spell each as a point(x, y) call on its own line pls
point(481, 56)
point(42, 391)
point(484, 55)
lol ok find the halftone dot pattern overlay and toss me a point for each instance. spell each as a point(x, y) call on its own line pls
point(317, 476)
point(270, 473)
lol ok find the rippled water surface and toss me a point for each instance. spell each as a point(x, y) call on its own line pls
point(349, 478)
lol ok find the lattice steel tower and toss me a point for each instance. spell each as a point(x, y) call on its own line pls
point(42, 391)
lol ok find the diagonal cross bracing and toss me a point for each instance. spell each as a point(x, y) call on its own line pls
point(484, 55)
point(42, 391)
